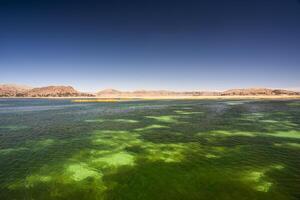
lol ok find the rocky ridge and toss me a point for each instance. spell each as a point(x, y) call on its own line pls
point(49, 91)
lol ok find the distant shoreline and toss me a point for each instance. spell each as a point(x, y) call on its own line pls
point(68, 92)
point(235, 97)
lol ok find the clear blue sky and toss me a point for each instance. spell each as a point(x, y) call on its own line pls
point(151, 44)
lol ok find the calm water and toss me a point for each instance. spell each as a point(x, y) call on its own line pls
point(55, 149)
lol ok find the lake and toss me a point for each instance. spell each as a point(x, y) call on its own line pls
point(158, 149)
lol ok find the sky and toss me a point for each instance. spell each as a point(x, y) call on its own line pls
point(151, 44)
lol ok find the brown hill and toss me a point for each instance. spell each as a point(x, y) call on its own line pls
point(10, 90)
point(285, 92)
point(109, 92)
point(257, 91)
point(53, 91)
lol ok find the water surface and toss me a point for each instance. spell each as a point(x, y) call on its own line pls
point(184, 149)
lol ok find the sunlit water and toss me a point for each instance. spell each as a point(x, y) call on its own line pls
point(55, 149)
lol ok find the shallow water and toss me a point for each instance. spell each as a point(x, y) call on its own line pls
point(187, 149)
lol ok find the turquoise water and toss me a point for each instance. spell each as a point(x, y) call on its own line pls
point(188, 149)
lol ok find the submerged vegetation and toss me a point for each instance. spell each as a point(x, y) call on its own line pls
point(168, 149)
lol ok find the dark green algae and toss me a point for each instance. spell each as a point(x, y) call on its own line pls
point(188, 149)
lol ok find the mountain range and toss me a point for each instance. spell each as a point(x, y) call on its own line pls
point(12, 90)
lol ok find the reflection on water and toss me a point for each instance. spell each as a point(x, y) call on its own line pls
point(187, 149)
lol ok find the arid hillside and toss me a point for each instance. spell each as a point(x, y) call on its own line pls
point(110, 93)
point(10, 90)
point(257, 91)
point(49, 91)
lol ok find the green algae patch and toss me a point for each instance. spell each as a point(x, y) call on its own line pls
point(234, 133)
point(276, 126)
point(165, 118)
point(258, 178)
point(31, 181)
point(223, 133)
point(209, 155)
point(294, 104)
point(153, 126)
point(269, 121)
point(277, 167)
point(260, 184)
point(114, 160)
point(253, 116)
point(114, 139)
point(14, 127)
point(111, 120)
point(119, 143)
point(167, 152)
point(181, 112)
point(286, 134)
point(71, 181)
point(94, 120)
point(45, 143)
point(216, 152)
point(111, 132)
point(288, 145)
point(81, 171)
point(40, 144)
point(182, 181)
point(36, 179)
point(125, 120)
point(8, 151)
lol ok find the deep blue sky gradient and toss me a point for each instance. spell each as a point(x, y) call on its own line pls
point(151, 44)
